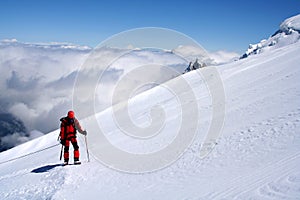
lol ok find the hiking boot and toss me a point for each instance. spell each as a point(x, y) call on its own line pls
point(77, 162)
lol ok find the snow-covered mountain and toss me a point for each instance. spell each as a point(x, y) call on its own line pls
point(288, 33)
point(256, 156)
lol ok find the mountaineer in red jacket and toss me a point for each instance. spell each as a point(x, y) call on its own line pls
point(68, 128)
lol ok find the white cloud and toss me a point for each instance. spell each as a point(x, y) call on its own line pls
point(9, 40)
point(31, 83)
point(14, 139)
point(221, 57)
point(37, 80)
point(191, 53)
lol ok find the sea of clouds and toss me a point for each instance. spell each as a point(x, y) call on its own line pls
point(37, 80)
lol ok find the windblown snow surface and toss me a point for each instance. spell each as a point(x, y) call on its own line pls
point(257, 155)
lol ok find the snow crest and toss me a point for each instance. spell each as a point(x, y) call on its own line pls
point(288, 33)
point(292, 23)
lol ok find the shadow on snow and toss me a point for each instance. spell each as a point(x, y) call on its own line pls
point(46, 168)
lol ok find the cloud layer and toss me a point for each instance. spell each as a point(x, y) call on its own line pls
point(35, 87)
point(38, 81)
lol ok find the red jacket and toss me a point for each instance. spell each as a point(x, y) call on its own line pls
point(68, 128)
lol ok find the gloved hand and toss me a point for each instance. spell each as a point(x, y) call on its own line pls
point(84, 133)
point(63, 142)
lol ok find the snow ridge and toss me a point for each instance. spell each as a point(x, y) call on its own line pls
point(291, 24)
point(288, 33)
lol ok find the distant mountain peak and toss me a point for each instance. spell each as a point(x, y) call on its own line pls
point(288, 33)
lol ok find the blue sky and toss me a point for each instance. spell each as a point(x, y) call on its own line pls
point(215, 24)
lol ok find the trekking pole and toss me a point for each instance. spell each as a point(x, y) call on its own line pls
point(61, 151)
point(87, 150)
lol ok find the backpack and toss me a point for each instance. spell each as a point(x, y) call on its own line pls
point(67, 129)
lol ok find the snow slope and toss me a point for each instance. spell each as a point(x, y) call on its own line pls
point(257, 156)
